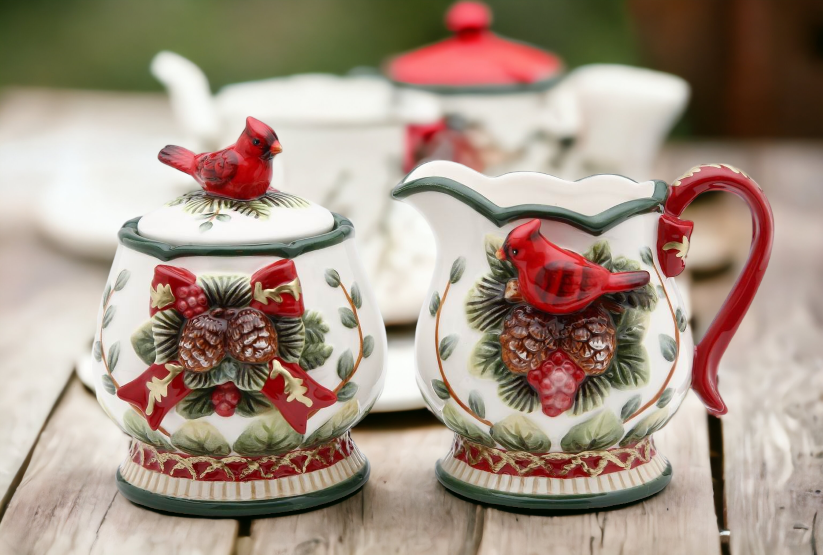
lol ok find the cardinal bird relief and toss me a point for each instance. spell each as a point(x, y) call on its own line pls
point(561, 329)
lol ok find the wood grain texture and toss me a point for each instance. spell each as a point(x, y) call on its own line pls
point(772, 380)
point(679, 520)
point(68, 501)
point(402, 509)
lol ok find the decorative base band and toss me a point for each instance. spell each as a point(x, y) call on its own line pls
point(595, 491)
point(302, 489)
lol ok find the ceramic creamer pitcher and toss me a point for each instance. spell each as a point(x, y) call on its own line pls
point(554, 342)
point(237, 343)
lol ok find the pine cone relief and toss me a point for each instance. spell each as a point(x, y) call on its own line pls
point(528, 337)
point(201, 346)
point(589, 340)
point(251, 337)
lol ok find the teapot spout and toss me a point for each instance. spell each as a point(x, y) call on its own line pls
point(190, 95)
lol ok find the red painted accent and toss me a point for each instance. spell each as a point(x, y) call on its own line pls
point(710, 350)
point(241, 171)
point(470, 454)
point(246, 469)
point(170, 275)
point(279, 273)
point(672, 230)
point(295, 412)
point(556, 381)
point(439, 141)
point(556, 280)
point(136, 392)
point(474, 56)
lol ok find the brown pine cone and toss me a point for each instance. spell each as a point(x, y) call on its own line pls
point(528, 337)
point(589, 339)
point(201, 345)
point(251, 337)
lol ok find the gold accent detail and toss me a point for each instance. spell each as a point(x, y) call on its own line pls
point(149, 454)
point(160, 388)
point(682, 247)
point(263, 295)
point(642, 452)
point(162, 296)
point(294, 386)
point(696, 169)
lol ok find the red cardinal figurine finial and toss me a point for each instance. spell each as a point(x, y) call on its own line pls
point(558, 281)
point(241, 171)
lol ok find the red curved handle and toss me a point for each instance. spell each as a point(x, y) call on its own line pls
point(720, 177)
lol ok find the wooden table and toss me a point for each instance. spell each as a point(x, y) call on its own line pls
point(750, 483)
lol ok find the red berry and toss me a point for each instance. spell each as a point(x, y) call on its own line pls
point(216, 396)
point(233, 397)
point(189, 314)
point(182, 306)
point(192, 301)
point(201, 299)
point(182, 291)
point(556, 381)
point(224, 409)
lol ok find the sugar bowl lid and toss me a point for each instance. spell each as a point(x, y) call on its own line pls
point(237, 205)
point(474, 56)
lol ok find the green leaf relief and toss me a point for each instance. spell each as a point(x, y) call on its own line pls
point(665, 397)
point(347, 392)
point(291, 338)
point(97, 351)
point(646, 256)
point(114, 356)
point(681, 319)
point(196, 404)
point(501, 270)
point(434, 304)
point(316, 351)
point(486, 305)
point(252, 403)
point(345, 365)
point(458, 267)
point(122, 280)
point(518, 433)
point(517, 393)
point(166, 327)
point(591, 394)
point(368, 346)
point(486, 360)
point(108, 384)
point(227, 291)
point(599, 432)
point(142, 341)
point(476, 404)
point(668, 347)
point(457, 423)
point(347, 317)
point(106, 293)
point(198, 437)
point(205, 226)
point(356, 297)
point(646, 427)
point(440, 389)
point(600, 253)
point(332, 278)
point(315, 355)
point(447, 345)
point(138, 428)
point(268, 435)
point(630, 407)
point(336, 426)
point(108, 316)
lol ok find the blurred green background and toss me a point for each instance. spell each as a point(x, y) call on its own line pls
point(108, 44)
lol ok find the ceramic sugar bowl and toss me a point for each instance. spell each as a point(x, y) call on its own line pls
point(237, 343)
point(554, 342)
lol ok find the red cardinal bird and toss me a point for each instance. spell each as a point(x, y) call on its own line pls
point(558, 281)
point(241, 171)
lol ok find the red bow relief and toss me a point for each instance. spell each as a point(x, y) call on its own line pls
point(673, 236)
point(211, 333)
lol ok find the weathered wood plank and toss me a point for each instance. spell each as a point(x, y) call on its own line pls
point(402, 509)
point(680, 519)
point(772, 379)
point(68, 500)
point(49, 304)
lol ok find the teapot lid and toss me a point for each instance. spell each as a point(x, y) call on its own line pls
point(474, 56)
point(237, 204)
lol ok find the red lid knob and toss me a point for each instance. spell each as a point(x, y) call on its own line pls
point(468, 16)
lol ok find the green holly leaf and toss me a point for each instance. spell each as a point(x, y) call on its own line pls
point(347, 317)
point(665, 397)
point(268, 435)
point(114, 356)
point(486, 360)
point(137, 427)
point(122, 280)
point(681, 320)
point(347, 392)
point(356, 298)
point(109, 315)
point(97, 351)
point(315, 355)
point(458, 424)
point(252, 403)
point(368, 346)
point(668, 347)
point(434, 304)
point(630, 407)
point(447, 345)
point(291, 338)
point(345, 365)
point(458, 267)
point(336, 426)
point(518, 433)
point(108, 384)
point(224, 372)
point(599, 432)
point(196, 404)
point(501, 270)
point(646, 256)
point(142, 341)
point(646, 427)
point(315, 328)
point(332, 278)
point(197, 437)
point(440, 389)
point(630, 367)
point(476, 404)
point(600, 253)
